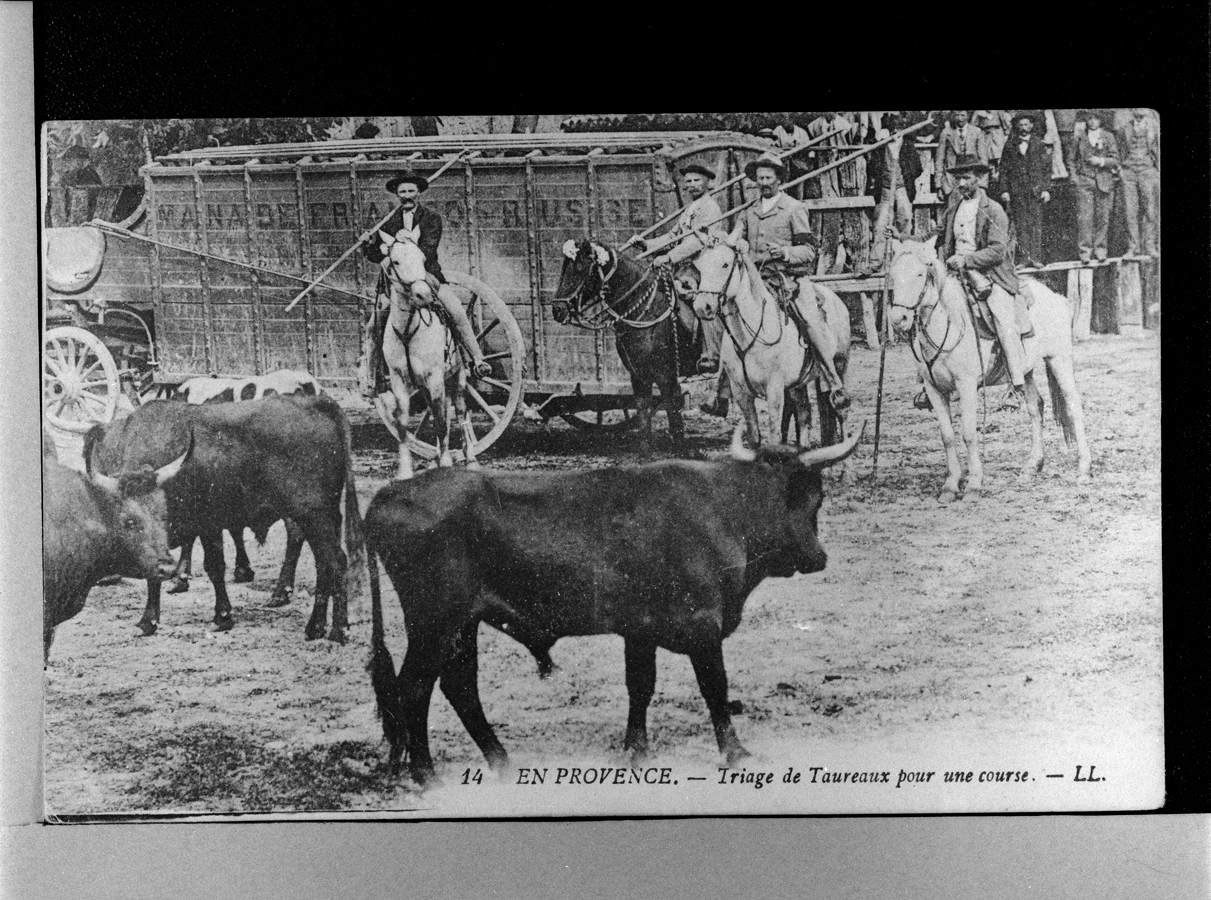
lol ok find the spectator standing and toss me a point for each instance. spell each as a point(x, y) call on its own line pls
point(1095, 162)
point(787, 135)
point(1025, 183)
point(833, 181)
point(959, 138)
point(891, 206)
point(1139, 144)
point(996, 126)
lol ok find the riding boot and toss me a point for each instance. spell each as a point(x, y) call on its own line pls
point(810, 320)
point(371, 376)
point(466, 334)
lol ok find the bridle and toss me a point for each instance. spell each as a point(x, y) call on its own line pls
point(603, 312)
point(921, 340)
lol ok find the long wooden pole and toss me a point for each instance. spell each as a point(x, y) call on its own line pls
point(365, 235)
point(813, 174)
point(885, 337)
point(727, 184)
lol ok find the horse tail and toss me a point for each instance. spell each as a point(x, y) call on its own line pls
point(1059, 406)
point(381, 666)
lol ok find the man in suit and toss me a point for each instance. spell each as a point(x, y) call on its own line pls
point(1025, 182)
point(959, 138)
point(777, 233)
point(424, 226)
point(975, 245)
point(1140, 151)
point(1094, 163)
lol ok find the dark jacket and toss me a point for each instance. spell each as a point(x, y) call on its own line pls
point(993, 256)
point(1024, 178)
point(878, 174)
point(1083, 167)
point(430, 225)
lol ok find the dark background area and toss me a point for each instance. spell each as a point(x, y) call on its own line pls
point(124, 60)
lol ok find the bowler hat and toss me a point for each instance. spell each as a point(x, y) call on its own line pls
point(968, 162)
point(765, 161)
point(696, 168)
point(422, 183)
point(1034, 115)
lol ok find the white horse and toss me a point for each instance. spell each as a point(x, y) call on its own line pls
point(419, 351)
point(764, 355)
point(932, 305)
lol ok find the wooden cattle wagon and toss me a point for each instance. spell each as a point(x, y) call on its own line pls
point(231, 235)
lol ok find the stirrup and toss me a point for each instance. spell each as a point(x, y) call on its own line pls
point(921, 401)
point(481, 369)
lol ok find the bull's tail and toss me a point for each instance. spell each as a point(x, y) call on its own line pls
point(1059, 406)
point(381, 666)
point(355, 538)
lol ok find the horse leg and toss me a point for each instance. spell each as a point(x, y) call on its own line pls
point(644, 409)
point(397, 406)
point(464, 416)
point(1070, 411)
point(968, 403)
point(670, 393)
point(954, 470)
point(748, 406)
point(775, 399)
point(435, 386)
point(1034, 406)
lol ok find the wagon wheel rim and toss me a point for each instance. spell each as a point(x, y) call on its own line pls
point(80, 383)
point(492, 401)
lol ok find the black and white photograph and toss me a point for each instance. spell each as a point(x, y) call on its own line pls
point(594, 465)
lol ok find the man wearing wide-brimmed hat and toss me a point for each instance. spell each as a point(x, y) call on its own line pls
point(1095, 161)
point(424, 226)
point(778, 234)
point(975, 244)
point(1024, 182)
point(682, 243)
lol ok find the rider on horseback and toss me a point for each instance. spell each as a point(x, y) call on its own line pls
point(424, 226)
point(683, 244)
point(777, 236)
point(975, 244)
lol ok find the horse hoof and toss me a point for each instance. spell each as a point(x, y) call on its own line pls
point(474, 466)
point(177, 586)
point(243, 575)
point(947, 497)
point(445, 461)
point(279, 598)
point(1084, 478)
point(221, 625)
point(146, 629)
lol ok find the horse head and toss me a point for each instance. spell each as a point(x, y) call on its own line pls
point(717, 264)
point(404, 264)
point(587, 265)
point(913, 273)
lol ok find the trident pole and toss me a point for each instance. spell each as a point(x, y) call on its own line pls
point(365, 235)
point(885, 336)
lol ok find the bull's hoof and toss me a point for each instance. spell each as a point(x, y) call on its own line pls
point(337, 635)
point(314, 631)
point(737, 754)
point(224, 623)
point(280, 598)
point(425, 777)
point(146, 629)
point(177, 586)
point(243, 575)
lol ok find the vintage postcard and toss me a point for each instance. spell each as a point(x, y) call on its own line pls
point(602, 465)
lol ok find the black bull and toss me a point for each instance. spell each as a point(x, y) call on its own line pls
point(664, 555)
point(95, 527)
point(252, 464)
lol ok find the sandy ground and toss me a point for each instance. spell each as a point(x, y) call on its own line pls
point(1020, 631)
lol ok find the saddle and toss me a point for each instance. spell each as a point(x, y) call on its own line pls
point(372, 373)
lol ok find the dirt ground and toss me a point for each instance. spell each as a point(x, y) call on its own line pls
point(1022, 625)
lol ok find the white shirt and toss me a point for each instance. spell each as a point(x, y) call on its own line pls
point(965, 225)
point(767, 205)
point(413, 232)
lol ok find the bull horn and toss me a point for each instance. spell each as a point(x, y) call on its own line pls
point(108, 482)
point(164, 473)
point(738, 450)
point(823, 457)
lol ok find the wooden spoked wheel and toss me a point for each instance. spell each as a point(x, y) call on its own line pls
point(80, 383)
point(606, 420)
point(492, 401)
